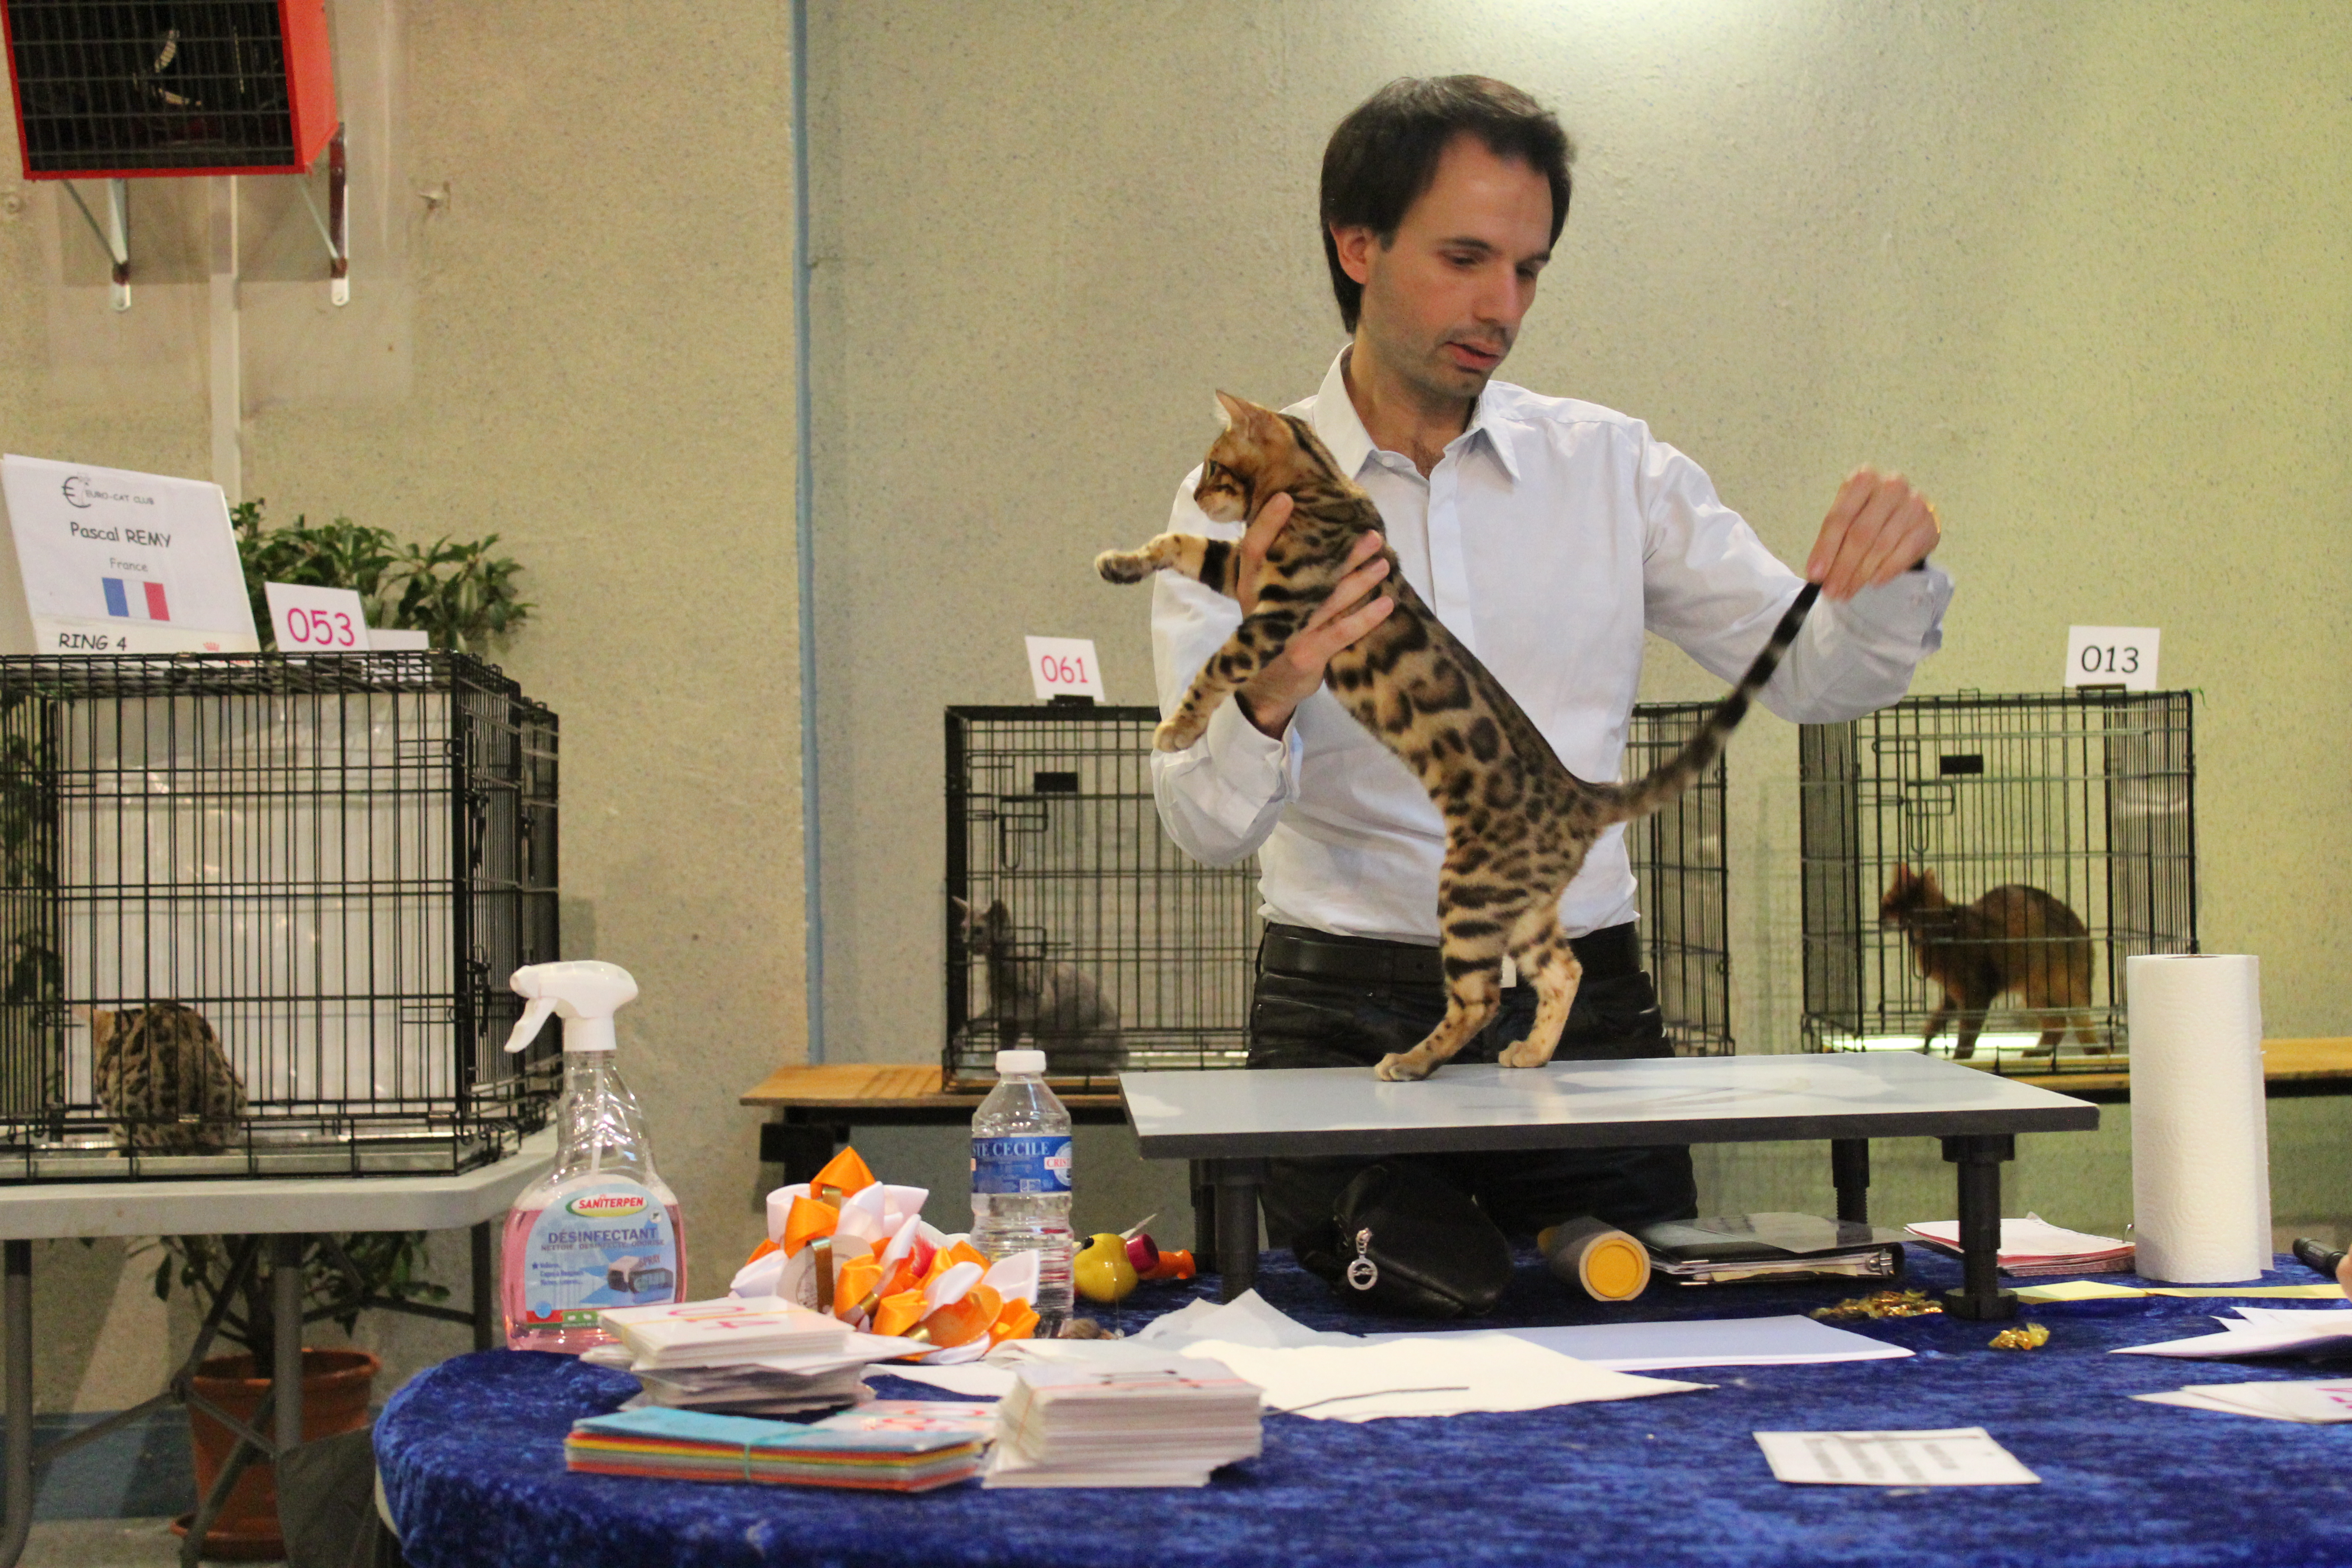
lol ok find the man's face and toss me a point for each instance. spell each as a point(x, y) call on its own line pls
point(1442, 302)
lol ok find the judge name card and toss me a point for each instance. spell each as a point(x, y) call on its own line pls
point(317, 620)
point(107, 561)
point(1064, 666)
point(2112, 656)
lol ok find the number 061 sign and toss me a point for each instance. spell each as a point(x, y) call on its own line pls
point(1064, 666)
point(2112, 656)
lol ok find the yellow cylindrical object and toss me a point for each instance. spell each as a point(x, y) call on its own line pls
point(1604, 1262)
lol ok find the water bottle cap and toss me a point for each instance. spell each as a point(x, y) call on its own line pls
point(1009, 1063)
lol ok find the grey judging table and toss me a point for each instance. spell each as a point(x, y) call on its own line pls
point(1228, 1124)
point(285, 1208)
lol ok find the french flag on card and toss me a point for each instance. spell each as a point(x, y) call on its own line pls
point(135, 601)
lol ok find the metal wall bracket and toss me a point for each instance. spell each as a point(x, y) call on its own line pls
point(115, 237)
point(335, 226)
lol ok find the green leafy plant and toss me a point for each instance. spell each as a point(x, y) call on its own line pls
point(460, 594)
point(342, 1275)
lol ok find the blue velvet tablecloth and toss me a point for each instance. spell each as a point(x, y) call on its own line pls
point(472, 1462)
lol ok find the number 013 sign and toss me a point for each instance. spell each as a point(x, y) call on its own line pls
point(1064, 666)
point(2112, 656)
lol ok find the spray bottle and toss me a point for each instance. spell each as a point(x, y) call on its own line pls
point(600, 1229)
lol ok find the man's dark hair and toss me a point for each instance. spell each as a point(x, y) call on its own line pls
point(1385, 154)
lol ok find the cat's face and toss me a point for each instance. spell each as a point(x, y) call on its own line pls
point(1249, 460)
point(1908, 891)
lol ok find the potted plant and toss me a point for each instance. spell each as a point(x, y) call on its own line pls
point(461, 594)
point(230, 1280)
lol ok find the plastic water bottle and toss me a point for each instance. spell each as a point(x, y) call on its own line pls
point(1021, 1176)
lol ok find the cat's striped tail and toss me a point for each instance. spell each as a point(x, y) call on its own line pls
point(1678, 773)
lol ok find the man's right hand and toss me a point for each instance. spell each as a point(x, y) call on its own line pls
point(1275, 691)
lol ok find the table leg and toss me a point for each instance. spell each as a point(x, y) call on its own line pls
point(17, 1309)
point(1204, 1214)
point(486, 1314)
point(1979, 1159)
point(285, 1308)
point(1849, 1174)
point(1238, 1184)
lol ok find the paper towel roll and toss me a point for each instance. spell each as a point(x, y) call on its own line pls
point(2200, 1134)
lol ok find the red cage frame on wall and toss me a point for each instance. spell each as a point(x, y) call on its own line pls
point(111, 89)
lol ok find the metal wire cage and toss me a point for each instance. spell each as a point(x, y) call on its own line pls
point(1115, 950)
point(1075, 924)
point(2060, 835)
point(170, 87)
point(1685, 882)
point(334, 862)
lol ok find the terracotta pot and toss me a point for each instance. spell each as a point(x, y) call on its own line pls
point(335, 1389)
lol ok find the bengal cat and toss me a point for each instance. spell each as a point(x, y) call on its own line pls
point(163, 1080)
point(2015, 938)
point(1518, 823)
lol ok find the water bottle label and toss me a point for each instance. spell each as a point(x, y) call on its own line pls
point(1017, 1165)
point(608, 1244)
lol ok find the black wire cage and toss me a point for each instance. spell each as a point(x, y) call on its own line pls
point(260, 911)
point(1075, 925)
point(1978, 868)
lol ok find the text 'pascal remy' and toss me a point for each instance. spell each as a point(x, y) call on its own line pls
point(146, 536)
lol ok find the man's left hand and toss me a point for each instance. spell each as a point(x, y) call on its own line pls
point(1878, 528)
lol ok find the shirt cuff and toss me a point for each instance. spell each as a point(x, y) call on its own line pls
point(1908, 612)
point(1258, 764)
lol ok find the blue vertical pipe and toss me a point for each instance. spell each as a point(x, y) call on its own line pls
point(804, 529)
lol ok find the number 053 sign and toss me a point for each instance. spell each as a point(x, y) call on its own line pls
point(2112, 656)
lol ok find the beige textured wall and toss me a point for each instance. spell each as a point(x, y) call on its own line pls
point(2080, 269)
point(601, 309)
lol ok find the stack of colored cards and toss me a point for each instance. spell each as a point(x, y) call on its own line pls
point(731, 1356)
point(1144, 1423)
point(2034, 1246)
point(901, 1456)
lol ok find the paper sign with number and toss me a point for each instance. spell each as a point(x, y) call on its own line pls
point(2112, 656)
point(1064, 666)
point(317, 620)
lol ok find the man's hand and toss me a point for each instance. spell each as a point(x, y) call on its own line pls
point(1878, 528)
point(1275, 691)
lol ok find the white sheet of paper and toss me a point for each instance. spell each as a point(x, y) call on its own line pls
point(2258, 1330)
point(108, 561)
point(1425, 1374)
point(1790, 1340)
point(1958, 1456)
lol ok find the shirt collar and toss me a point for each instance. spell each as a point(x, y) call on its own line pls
point(1342, 429)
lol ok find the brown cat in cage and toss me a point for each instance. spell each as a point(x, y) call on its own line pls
point(163, 1080)
point(2015, 938)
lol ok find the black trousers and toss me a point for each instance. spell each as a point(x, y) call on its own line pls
point(1300, 1021)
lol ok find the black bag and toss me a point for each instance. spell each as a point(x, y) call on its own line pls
point(1410, 1242)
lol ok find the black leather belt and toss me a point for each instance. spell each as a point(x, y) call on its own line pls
point(1605, 954)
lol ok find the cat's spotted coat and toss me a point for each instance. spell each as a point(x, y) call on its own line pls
point(1518, 823)
point(163, 1080)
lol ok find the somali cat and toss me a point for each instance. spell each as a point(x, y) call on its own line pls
point(1517, 824)
point(2015, 938)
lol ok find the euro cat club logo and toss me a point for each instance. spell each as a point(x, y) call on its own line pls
point(606, 1205)
point(77, 489)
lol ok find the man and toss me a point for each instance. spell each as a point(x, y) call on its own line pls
point(1547, 534)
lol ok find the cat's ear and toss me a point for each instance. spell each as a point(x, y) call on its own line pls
point(1926, 879)
point(1230, 410)
point(962, 910)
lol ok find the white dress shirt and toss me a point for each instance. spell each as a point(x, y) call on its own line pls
point(1548, 538)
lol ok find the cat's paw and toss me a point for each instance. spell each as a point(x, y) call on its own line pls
point(1525, 1054)
point(1123, 566)
point(1175, 734)
point(1398, 1067)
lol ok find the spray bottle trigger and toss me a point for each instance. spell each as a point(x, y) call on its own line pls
point(527, 1027)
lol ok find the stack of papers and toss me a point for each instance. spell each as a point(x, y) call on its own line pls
point(2034, 1246)
point(2313, 1404)
point(2263, 1331)
point(694, 1446)
point(1779, 1247)
point(729, 1356)
point(1163, 1421)
point(1425, 1374)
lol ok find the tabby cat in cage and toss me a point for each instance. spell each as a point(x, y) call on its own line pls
point(163, 1080)
point(1058, 1004)
point(2015, 938)
point(1518, 823)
